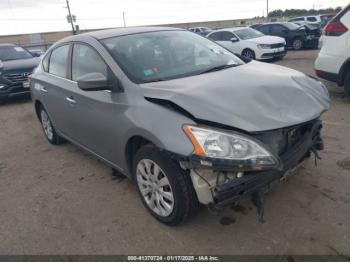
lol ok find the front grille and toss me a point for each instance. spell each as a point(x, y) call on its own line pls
point(277, 45)
point(282, 140)
point(17, 77)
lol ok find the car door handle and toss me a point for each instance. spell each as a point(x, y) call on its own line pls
point(43, 89)
point(71, 100)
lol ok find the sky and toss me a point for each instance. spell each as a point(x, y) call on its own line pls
point(30, 16)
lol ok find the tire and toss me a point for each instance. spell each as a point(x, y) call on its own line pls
point(297, 44)
point(168, 196)
point(49, 131)
point(347, 84)
point(248, 53)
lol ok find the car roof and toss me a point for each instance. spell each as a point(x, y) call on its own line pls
point(277, 23)
point(102, 34)
point(232, 29)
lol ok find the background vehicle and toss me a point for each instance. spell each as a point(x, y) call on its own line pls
point(203, 31)
point(311, 20)
point(326, 18)
point(183, 117)
point(333, 61)
point(16, 65)
point(313, 30)
point(295, 36)
point(250, 43)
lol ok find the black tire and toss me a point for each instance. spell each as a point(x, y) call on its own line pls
point(297, 44)
point(248, 53)
point(347, 84)
point(185, 203)
point(54, 138)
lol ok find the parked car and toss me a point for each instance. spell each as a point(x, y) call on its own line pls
point(295, 36)
point(184, 118)
point(203, 31)
point(250, 43)
point(16, 64)
point(311, 20)
point(333, 61)
point(313, 30)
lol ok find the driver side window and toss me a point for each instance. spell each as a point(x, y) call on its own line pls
point(86, 60)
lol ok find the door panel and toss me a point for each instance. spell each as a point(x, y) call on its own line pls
point(94, 114)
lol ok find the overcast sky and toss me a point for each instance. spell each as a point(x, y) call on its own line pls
point(28, 16)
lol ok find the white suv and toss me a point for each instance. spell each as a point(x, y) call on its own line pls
point(333, 62)
point(312, 20)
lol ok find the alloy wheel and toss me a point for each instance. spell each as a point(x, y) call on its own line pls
point(155, 187)
point(47, 126)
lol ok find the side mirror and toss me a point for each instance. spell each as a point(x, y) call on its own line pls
point(234, 39)
point(94, 82)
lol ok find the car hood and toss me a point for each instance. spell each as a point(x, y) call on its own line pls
point(267, 39)
point(252, 97)
point(20, 64)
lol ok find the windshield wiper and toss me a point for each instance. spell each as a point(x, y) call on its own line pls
point(218, 68)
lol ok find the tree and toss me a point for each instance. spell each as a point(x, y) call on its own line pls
point(302, 12)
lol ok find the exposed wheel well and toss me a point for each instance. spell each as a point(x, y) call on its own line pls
point(38, 104)
point(132, 146)
point(345, 69)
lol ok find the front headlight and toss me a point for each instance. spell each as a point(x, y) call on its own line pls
point(215, 144)
point(264, 46)
point(2, 86)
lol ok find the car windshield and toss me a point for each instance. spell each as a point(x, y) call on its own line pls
point(292, 26)
point(164, 55)
point(13, 53)
point(248, 33)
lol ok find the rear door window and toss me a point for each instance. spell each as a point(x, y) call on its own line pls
point(277, 29)
point(217, 36)
point(59, 61)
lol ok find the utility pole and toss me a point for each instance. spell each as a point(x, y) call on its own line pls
point(124, 19)
point(70, 17)
point(267, 10)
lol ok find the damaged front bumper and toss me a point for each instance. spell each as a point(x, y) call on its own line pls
point(217, 183)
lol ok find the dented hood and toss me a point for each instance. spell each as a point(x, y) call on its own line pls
point(252, 97)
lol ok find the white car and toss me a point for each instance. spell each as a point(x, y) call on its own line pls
point(311, 20)
point(333, 61)
point(250, 43)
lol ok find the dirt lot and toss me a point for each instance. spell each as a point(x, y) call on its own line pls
point(60, 200)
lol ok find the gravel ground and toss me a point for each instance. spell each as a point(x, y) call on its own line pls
point(61, 200)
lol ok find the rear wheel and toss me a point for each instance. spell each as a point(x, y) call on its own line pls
point(248, 53)
point(347, 84)
point(48, 128)
point(165, 189)
point(297, 44)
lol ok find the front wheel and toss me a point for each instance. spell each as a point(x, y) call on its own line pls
point(248, 53)
point(166, 190)
point(297, 44)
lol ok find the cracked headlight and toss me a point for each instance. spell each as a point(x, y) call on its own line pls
point(216, 144)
